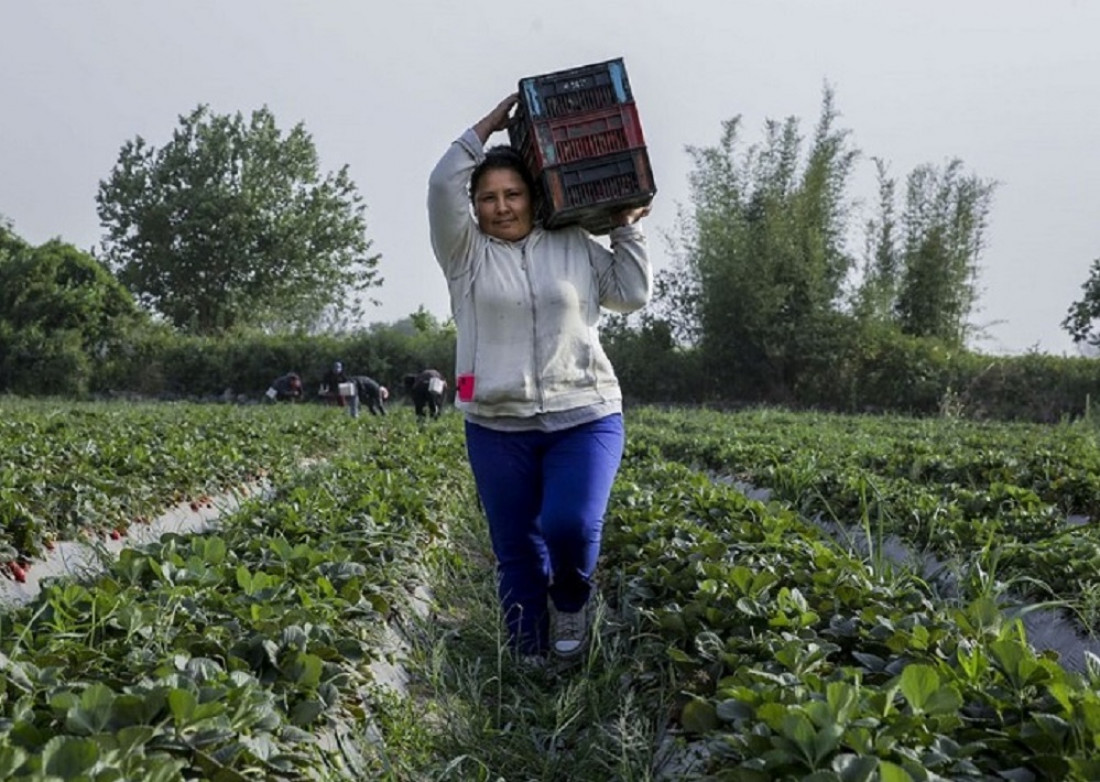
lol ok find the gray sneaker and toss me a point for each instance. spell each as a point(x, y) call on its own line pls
point(569, 633)
point(530, 663)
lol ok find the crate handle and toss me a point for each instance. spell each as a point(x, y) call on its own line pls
point(617, 77)
point(533, 99)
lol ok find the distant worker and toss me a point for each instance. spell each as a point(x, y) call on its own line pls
point(335, 383)
point(285, 388)
point(371, 393)
point(426, 390)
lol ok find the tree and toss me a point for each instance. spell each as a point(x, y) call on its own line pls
point(1078, 322)
point(231, 224)
point(944, 222)
point(763, 246)
point(60, 312)
point(10, 243)
point(874, 300)
point(924, 277)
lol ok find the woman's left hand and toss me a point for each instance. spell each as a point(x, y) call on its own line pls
point(631, 215)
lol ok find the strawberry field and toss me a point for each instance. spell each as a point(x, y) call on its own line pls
point(782, 596)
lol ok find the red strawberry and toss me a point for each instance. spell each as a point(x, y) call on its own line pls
point(116, 534)
point(17, 572)
point(194, 506)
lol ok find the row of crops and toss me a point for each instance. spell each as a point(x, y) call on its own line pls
point(241, 654)
point(1015, 503)
point(780, 652)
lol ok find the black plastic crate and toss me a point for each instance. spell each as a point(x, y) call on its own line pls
point(575, 91)
point(590, 192)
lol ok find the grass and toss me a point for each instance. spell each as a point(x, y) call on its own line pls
point(492, 717)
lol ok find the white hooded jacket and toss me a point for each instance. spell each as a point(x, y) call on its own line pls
point(527, 312)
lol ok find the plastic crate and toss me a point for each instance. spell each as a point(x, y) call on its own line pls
point(578, 137)
point(591, 191)
point(576, 90)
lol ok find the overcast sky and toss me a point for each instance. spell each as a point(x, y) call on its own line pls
point(1012, 87)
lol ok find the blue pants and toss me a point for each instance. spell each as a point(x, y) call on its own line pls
point(545, 494)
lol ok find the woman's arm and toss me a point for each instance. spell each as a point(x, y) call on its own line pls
point(450, 222)
point(453, 229)
point(624, 274)
point(497, 119)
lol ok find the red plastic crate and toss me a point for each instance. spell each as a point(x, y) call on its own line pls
point(591, 191)
point(578, 137)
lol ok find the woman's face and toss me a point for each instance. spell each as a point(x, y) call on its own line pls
point(503, 205)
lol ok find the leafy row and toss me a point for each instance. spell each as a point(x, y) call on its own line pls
point(237, 655)
point(72, 469)
point(950, 487)
point(802, 662)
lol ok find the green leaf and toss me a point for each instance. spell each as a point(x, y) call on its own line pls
point(182, 703)
point(93, 713)
point(798, 729)
point(306, 712)
point(945, 700)
point(853, 768)
point(843, 698)
point(918, 684)
point(69, 757)
point(325, 586)
point(281, 548)
point(244, 579)
point(983, 613)
point(215, 551)
point(163, 770)
point(310, 668)
point(889, 772)
point(741, 577)
point(869, 661)
point(731, 710)
point(203, 669)
point(699, 716)
point(133, 738)
point(973, 663)
point(130, 709)
point(679, 655)
point(11, 759)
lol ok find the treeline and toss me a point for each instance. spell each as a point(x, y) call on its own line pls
point(67, 327)
point(229, 258)
point(867, 370)
point(70, 328)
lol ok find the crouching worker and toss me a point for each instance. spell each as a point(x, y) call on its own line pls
point(285, 388)
point(426, 390)
point(371, 393)
point(336, 385)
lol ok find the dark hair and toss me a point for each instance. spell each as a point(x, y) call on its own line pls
point(503, 157)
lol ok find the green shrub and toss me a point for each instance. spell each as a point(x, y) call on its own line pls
point(34, 363)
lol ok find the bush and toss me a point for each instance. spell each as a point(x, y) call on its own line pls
point(652, 369)
point(34, 363)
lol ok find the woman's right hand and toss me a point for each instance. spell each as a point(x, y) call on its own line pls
point(497, 119)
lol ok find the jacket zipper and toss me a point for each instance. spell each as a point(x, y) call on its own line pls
point(534, 327)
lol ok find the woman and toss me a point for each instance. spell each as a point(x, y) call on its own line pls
point(544, 430)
